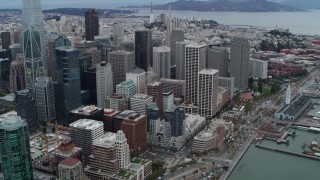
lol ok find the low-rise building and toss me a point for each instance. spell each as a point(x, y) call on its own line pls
point(70, 168)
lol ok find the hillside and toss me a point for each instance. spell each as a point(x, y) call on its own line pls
point(309, 4)
point(227, 5)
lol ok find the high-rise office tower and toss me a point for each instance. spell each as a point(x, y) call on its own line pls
point(155, 90)
point(54, 43)
point(121, 62)
point(127, 88)
point(104, 82)
point(258, 68)
point(90, 49)
point(104, 153)
point(92, 24)
point(180, 60)
point(218, 58)
point(153, 113)
point(67, 88)
point(168, 29)
point(33, 59)
point(15, 152)
point(17, 79)
point(208, 91)
point(168, 99)
point(4, 73)
point(161, 62)
point(239, 62)
point(139, 101)
point(139, 77)
point(70, 168)
point(176, 117)
point(84, 132)
point(45, 100)
point(228, 83)
point(143, 49)
point(177, 35)
point(135, 129)
point(118, 33)
point(151, 76)
point(195, 62)
point(34, 45)
point(5, 40)
point(123, 151)
point(26, 108)
point(15, 49)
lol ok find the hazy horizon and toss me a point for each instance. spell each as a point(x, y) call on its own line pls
point(49, 4)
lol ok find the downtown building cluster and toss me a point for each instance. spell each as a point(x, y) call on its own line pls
point(115, 97)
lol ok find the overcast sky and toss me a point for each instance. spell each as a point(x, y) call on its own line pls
point(49, 4)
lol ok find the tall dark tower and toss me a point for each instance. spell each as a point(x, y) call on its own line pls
point(68, 87)
point(5, 40)
point(143, 49)
point(92, 24)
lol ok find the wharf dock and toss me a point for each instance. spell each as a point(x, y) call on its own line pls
point(287, 152)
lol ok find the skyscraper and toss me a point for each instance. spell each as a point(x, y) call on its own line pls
point(161, 62)
point(5, 40)
point(121, 62)
point(53, 43)
point(70, 168)
point(143, 49)
point(4, 73)
point(258, 68)
point(104, 82)
point(15, 149)
point(239, 62)
point(92, 24)
point(45, 100)
point(84, 133)
point(67, 88)
point(139, 101)
point(168, 29)
point(33, 41)
point(175, 116)
point(218, 58)
point(33, 58)
point(208, 91)
point(180, 60)
point(123, 152)
point(118, 34)
point(177, 35)
point(127, 88)
point(135, 129)
point(195, 62)
point(26, 108)
point(17, 79)
point(155, 90)
point(139, 77)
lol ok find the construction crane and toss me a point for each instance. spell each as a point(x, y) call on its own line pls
point(57, 128)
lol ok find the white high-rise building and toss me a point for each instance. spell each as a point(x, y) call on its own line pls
point(118, 33)
point(104, 77)
point(139, 77)
point(208, 92)
point(168, 100)
point(162, 61)
point(123, 151)
point(258, 68)
point(139, 101)
point(168, 29)
point(195, 62)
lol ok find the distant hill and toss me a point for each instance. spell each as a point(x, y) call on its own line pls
point(227, 5)
point(305, 4)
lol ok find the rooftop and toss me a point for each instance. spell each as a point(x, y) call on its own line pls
point(161, 49)
point(66, 48)
point(106, 140)
point(12, 122)
point(110, 112)
point(209, 71)
point(87, 124)
point(125, 114)
point(69, 162)
point(136, 71)
point(86, 110)
point(297, 103)
point(141, 96)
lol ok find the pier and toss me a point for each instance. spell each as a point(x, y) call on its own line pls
point(287, 152)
